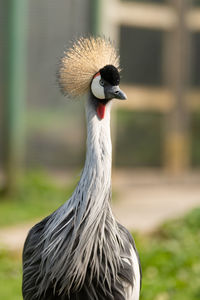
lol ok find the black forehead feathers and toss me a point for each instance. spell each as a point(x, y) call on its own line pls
point(110, 74)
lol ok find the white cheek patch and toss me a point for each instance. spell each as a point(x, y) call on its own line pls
point(97, 89)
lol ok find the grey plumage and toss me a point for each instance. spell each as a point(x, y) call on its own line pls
point(80, 251)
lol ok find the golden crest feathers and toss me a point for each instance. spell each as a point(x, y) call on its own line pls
point(81, 62)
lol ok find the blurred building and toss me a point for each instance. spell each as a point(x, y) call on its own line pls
point(146, 34)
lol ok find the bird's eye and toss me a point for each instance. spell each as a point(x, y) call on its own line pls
point(101, 82)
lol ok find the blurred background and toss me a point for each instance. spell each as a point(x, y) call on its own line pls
point(156, 144)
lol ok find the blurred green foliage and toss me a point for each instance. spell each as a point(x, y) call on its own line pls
point(10, 276)
point(171, 260)
point(37, 197)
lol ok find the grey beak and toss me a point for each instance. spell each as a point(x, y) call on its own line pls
point(114, 92)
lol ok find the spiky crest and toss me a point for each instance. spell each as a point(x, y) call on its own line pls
point(82, 61)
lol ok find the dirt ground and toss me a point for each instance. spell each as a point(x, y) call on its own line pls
point(142, 201)
point(147, 199)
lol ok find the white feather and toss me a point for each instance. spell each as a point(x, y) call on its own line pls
point(97, 89)
point(133, 293)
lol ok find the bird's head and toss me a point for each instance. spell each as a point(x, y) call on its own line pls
point(91, 64)
point(105, 86)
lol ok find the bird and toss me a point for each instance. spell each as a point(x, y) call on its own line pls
point(80, 251)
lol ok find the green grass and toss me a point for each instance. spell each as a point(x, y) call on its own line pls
point(10, 276)
point(171, 260)
point(36, 198)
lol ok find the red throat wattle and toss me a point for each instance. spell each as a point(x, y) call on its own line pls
point(101, 110)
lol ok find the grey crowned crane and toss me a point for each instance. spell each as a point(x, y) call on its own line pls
point(80, 251)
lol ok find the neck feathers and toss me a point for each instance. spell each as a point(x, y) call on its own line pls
point(83, 232)
point(99, 150)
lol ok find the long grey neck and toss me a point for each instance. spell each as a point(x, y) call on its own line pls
point(96, 175)
point(85, 223)
point(92, 194)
